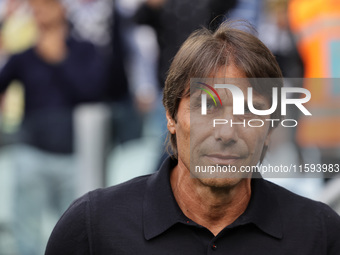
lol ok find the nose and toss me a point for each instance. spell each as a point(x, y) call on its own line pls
point(227, 131)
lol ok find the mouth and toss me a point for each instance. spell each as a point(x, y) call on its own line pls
point(223, 159)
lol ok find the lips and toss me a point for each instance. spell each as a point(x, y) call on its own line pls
point(223, 159)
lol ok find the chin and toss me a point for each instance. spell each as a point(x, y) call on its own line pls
point(220, 183)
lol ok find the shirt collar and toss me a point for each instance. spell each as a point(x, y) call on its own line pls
point(263, 209)
point(161, 211)
point(160, 208)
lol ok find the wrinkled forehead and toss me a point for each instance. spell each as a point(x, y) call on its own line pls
point(229, 81)
point(226, 89)
point(223, 86)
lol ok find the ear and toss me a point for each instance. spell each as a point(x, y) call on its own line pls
point(171, 123)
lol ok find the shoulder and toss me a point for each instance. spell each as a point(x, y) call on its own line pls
point(70, 235)
point(19, 57)
point(99, 211)
point(298, 209)
point(127, 192)
point(311, 222)
point(106, 200)
point(290, 201)
point(24, 54)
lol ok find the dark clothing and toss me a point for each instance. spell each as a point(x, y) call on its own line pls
point(118, 89)
point(142, 217)
point(53, 90)
point(175, 21)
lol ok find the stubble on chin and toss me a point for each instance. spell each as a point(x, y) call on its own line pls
point(220, 183)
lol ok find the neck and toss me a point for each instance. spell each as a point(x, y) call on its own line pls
point(213, 207)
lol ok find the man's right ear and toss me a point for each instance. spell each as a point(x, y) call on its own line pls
point(171, 123)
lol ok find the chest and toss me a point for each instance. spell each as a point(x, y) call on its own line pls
point(187, 240)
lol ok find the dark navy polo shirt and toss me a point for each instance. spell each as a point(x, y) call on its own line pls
point(142, 217)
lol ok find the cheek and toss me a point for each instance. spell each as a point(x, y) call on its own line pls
point(183, 143)
point(196, 128)
point(257, 140)
point(201, 134)
point(183, 133)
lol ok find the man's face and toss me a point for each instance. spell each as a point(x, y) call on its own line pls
point(47, 13)
point(199, 143)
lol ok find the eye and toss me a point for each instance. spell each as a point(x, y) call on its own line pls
point(210, 105)
point(246, 109)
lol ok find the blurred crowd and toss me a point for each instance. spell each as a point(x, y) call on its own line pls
point(81, 96)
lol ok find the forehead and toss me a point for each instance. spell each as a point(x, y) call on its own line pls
point(230, 74)
point(224, 74)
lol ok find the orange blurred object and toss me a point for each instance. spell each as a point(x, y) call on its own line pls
point(316, 26)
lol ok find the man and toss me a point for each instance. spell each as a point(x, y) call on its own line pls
point(57, 73)
point(170, 212)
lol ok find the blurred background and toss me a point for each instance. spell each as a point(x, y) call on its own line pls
point(81, 88)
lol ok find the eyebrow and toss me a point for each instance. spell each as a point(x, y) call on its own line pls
point(257, 105)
